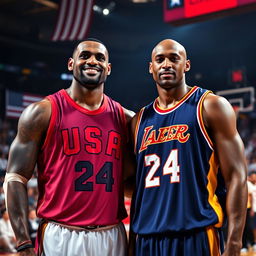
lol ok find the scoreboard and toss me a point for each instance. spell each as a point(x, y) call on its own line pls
point(186, 11)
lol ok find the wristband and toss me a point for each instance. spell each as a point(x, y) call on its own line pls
point(25, 245)
point(25, 242)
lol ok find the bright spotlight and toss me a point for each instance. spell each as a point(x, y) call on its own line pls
point(65, 76)
point(106, 11)
point(96, 8)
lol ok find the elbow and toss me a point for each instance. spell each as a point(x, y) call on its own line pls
point(237, 177)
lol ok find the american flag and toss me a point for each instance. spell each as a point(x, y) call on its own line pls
point(74, 20)
point(16, 102)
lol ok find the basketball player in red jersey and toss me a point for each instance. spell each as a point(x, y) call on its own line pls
point(76, 137)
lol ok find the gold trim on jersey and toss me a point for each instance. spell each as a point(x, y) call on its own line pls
point(137, 128)
point(201, 121)
point(211, 187)
point(163, 111)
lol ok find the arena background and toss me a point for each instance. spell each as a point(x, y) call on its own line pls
point(221, 49)
point(215, 46)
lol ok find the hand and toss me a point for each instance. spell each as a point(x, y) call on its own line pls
point(27, 252)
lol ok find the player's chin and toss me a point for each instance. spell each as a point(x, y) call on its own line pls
point(167, 84)
point(90, 84)
point(91, 79)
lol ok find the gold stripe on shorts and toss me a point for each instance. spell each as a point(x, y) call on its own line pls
point(213, 239)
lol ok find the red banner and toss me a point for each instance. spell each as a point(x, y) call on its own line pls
point(186, 10)
point(200, 7)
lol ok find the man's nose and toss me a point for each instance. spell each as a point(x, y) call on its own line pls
point(92, 60)
point(167, 63)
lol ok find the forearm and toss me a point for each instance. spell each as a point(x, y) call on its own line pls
point(17, 204)
point(236, 211)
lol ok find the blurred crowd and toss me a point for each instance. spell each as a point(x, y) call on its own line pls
point(247, 128)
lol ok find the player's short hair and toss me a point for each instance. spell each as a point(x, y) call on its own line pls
point(94, 40)
point(90, 39)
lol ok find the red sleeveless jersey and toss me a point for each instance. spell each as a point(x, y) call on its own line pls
point(80, 164)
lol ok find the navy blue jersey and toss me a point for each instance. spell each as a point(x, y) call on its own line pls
point(178, 171)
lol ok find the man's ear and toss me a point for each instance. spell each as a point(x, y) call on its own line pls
point(109, 68)
point(187, 66)
point(70, 64)
point(150, 68)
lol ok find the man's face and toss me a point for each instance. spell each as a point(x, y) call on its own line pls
point(90, 64)
point(169, 63)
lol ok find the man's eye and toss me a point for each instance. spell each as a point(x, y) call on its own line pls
point(159, 60)
point(84, 56)
point(101, 58)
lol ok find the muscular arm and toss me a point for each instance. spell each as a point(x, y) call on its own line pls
point(220, 120)
point(32, 128)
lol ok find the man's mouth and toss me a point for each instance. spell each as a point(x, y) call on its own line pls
point(91, 70)
point(167, 74)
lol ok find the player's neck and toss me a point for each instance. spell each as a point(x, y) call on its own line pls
point(89, 99)
point(169, 98)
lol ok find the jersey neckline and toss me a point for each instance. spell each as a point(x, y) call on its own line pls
point(84, 110)
point(160, 110)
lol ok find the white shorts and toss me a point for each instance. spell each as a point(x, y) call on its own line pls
point(62, 241)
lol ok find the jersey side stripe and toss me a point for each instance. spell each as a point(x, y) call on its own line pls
point(137, 128)
point(200, 119)
point(211, 187)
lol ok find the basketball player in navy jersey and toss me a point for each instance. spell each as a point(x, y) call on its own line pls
point(189, 154)
point(76, 138)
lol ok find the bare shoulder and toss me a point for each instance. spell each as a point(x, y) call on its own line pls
point(219, 116)
point(217, 109)
point(37, 108)
point(32, 128)
point(128, 114)
point(35, 119)
point(214, 102)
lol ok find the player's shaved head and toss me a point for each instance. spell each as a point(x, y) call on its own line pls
point(169, 44)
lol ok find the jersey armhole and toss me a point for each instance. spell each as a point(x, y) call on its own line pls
point(123, 117)
point(123, 121)
point(201, 122)
point(52, 120)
